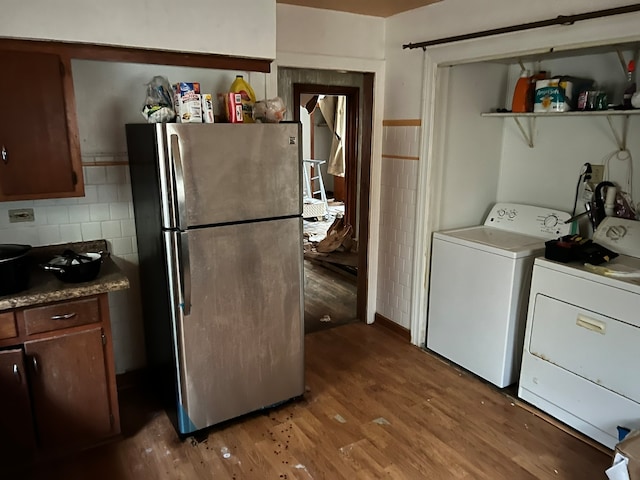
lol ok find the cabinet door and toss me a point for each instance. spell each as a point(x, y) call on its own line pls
point(36, 158)
point(16, 427)
point(69, 389)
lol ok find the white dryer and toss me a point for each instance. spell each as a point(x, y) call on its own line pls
point(479, 288)
point(581, 350)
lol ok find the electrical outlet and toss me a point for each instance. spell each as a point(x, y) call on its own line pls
point(597, 174)
point(21, 215)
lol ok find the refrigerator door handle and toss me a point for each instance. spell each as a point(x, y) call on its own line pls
point(185, 273)
point(178, 175)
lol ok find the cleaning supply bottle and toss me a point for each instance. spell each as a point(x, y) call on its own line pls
point(242, 87)
point(521, 97)
point(630, 87)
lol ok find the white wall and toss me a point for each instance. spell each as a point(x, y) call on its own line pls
point(473, 144)
point(111, 94)
point(231, 27)
point(313, 31)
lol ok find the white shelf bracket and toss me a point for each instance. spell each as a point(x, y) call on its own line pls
point(531, 124)
point(621, 140)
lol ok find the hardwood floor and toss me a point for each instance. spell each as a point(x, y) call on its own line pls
point(329, 297)
point(375, 407)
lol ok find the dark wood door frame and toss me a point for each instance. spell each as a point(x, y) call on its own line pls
point(354, 211)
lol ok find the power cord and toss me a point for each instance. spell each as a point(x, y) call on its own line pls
point(585, 176)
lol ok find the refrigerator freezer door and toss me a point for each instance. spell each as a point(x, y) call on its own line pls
point(241, 347)
point(226, 173)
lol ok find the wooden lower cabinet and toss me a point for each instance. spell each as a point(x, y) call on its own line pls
point(17, 439)
point(69, 388)
point(58, 386)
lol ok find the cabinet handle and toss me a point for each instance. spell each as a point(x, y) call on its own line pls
point(16, 373)
point(5, 155)
point(34, 362)
point(65, 316)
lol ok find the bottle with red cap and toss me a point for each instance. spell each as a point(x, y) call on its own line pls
point(630, 88)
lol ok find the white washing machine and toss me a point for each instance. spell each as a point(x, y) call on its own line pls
point(581, 348)
point(479, 288)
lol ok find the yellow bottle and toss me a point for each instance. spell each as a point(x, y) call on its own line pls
point(242, 87)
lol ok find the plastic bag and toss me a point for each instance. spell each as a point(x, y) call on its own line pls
point(269, 111)
point(158, 106)
point(624, 207)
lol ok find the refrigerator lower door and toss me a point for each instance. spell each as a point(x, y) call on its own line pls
point(240, 347)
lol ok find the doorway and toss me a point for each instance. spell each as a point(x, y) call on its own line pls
point(357, 88)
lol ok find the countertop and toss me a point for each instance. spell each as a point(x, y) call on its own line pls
point(44, 287)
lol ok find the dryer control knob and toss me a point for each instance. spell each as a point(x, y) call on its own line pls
point(551, 221)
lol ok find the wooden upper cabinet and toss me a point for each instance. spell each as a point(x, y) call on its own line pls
point(39, 148)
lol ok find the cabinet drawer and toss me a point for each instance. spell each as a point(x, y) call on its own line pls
point(8, 325)
point(61, 315)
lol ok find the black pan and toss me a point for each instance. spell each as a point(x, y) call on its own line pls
point(14, 268)
point(75, 267)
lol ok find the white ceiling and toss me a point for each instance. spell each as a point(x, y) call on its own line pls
point(376, 8)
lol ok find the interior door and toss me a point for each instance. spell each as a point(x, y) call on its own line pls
point(69, 388)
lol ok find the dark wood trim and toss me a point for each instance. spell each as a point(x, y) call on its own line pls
point(392, 326)
point(108, 53)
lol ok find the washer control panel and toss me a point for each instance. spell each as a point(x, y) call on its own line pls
point(529, 220)
point(620, 235)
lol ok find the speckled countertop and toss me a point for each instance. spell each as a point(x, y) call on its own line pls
point(44, 287)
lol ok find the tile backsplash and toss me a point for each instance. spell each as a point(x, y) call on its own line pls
point(105, 212)
point(397, 217)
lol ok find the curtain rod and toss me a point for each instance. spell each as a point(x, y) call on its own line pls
point(559, 20)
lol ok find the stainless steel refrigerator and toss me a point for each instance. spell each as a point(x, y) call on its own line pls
point(219, 230)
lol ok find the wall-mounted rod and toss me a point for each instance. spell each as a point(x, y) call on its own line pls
point(559, 20)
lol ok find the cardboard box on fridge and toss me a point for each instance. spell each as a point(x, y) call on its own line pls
point(188, 103)
point(630, 448)
point(232, 105)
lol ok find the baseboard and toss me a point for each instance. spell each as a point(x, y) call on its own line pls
point(393, 326)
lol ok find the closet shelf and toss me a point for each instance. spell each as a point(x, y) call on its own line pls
point(601, 113)
point(530, 117)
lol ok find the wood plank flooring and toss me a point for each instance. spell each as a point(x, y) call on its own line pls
point(328, 295)
point(375, 407)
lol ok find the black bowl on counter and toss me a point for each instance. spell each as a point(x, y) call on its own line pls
point(14, 268)
point(75, 267)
